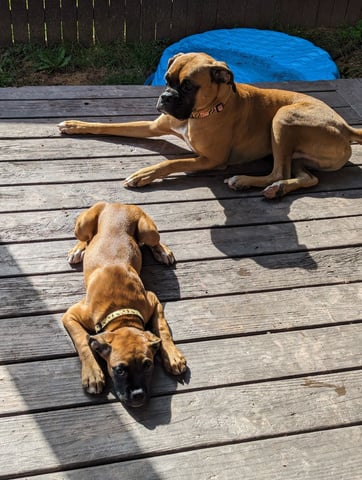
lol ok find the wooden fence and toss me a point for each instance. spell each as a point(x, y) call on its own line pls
point(88, 21)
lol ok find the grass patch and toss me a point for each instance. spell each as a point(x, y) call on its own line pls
point(118, 63)
point(344, 44)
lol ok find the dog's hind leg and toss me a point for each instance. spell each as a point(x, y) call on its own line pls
point(302, 179)
point(85, 229)
point(281, 170)
point(147, 234)
point(282, 159)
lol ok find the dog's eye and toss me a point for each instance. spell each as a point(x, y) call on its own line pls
point(147, 365)
point(187, 86)
point(120, 370)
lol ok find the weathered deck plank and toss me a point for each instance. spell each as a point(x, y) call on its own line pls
point(96, 106)
point(231, 212)
point(265, 301)
point(227, 361)
point(108, 162)
point(25, 197)
point(54, 291)
point(42, 257)
point(311, 456)
point(199, 319)
point(81, 436)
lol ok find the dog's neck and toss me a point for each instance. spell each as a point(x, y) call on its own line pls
point(124, 317)
point(216, 106)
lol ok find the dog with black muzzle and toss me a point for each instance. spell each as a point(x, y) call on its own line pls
point(111, 320)
point(225, 122)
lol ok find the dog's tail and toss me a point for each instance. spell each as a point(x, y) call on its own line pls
point(355, 134)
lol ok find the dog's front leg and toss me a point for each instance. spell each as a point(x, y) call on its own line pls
point(146, 175)
point(73, 320)
point(172, 359)
point(140, 129)
point(131, 129)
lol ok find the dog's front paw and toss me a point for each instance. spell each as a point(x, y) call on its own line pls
point(173, 360)
point(93, 380)
point(141, 178)
point(72, 127)
point(236, 182)
point(163, 254)
point(76, 254)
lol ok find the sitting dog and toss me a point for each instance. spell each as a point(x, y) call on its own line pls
point(116, 306)
point(224, 122)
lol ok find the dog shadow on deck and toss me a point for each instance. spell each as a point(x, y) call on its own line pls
point(275, 234)
point(285, 233)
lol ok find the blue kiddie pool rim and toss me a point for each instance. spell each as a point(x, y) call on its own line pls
point(255, 56)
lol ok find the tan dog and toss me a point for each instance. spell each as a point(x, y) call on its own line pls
point(116, 305)
point(225, 123)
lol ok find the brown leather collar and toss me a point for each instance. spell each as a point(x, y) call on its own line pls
point(216, 108)
point(206, 113)
point(121, 313)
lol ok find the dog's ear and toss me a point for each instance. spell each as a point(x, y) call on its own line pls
point(172, 59)
point(154, 341)
point(99, 345)
point(221, 73)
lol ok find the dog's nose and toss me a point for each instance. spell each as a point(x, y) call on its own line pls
point(138, 395)
point(166, 97)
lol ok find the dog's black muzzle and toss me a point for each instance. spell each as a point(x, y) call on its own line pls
point(172, 102)
point(167, 100)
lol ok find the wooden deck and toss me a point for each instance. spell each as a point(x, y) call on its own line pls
point(265, 302)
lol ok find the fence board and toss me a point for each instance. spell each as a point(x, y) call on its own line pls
point(251, 14)
point(285, 12)
point(324, 13)
point(227, 17)
point(163, 19)
point(194, 13)
point(53, 22)
point(148, 20)
point(136, 20)
point(102, 27)
point(109, 20)
point(310, 13)
point(19, 18)
point(260, 13)
point(133, 24)
point(69, 21)
point(85, 22)
point(354, 10)
point(208, 17)
point(338, 13)
point(5, 30)
point(36, 15)
point(178, 19)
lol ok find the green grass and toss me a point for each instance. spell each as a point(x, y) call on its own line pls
point(344, 44)
point(120, 63)
point(117, 63)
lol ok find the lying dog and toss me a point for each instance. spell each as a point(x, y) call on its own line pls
point(116, 306)
point(225, 123)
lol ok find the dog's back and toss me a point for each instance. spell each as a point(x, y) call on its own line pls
point(114, 241)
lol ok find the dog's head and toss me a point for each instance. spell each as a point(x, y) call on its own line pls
point(129, 354)
point(193, 83)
